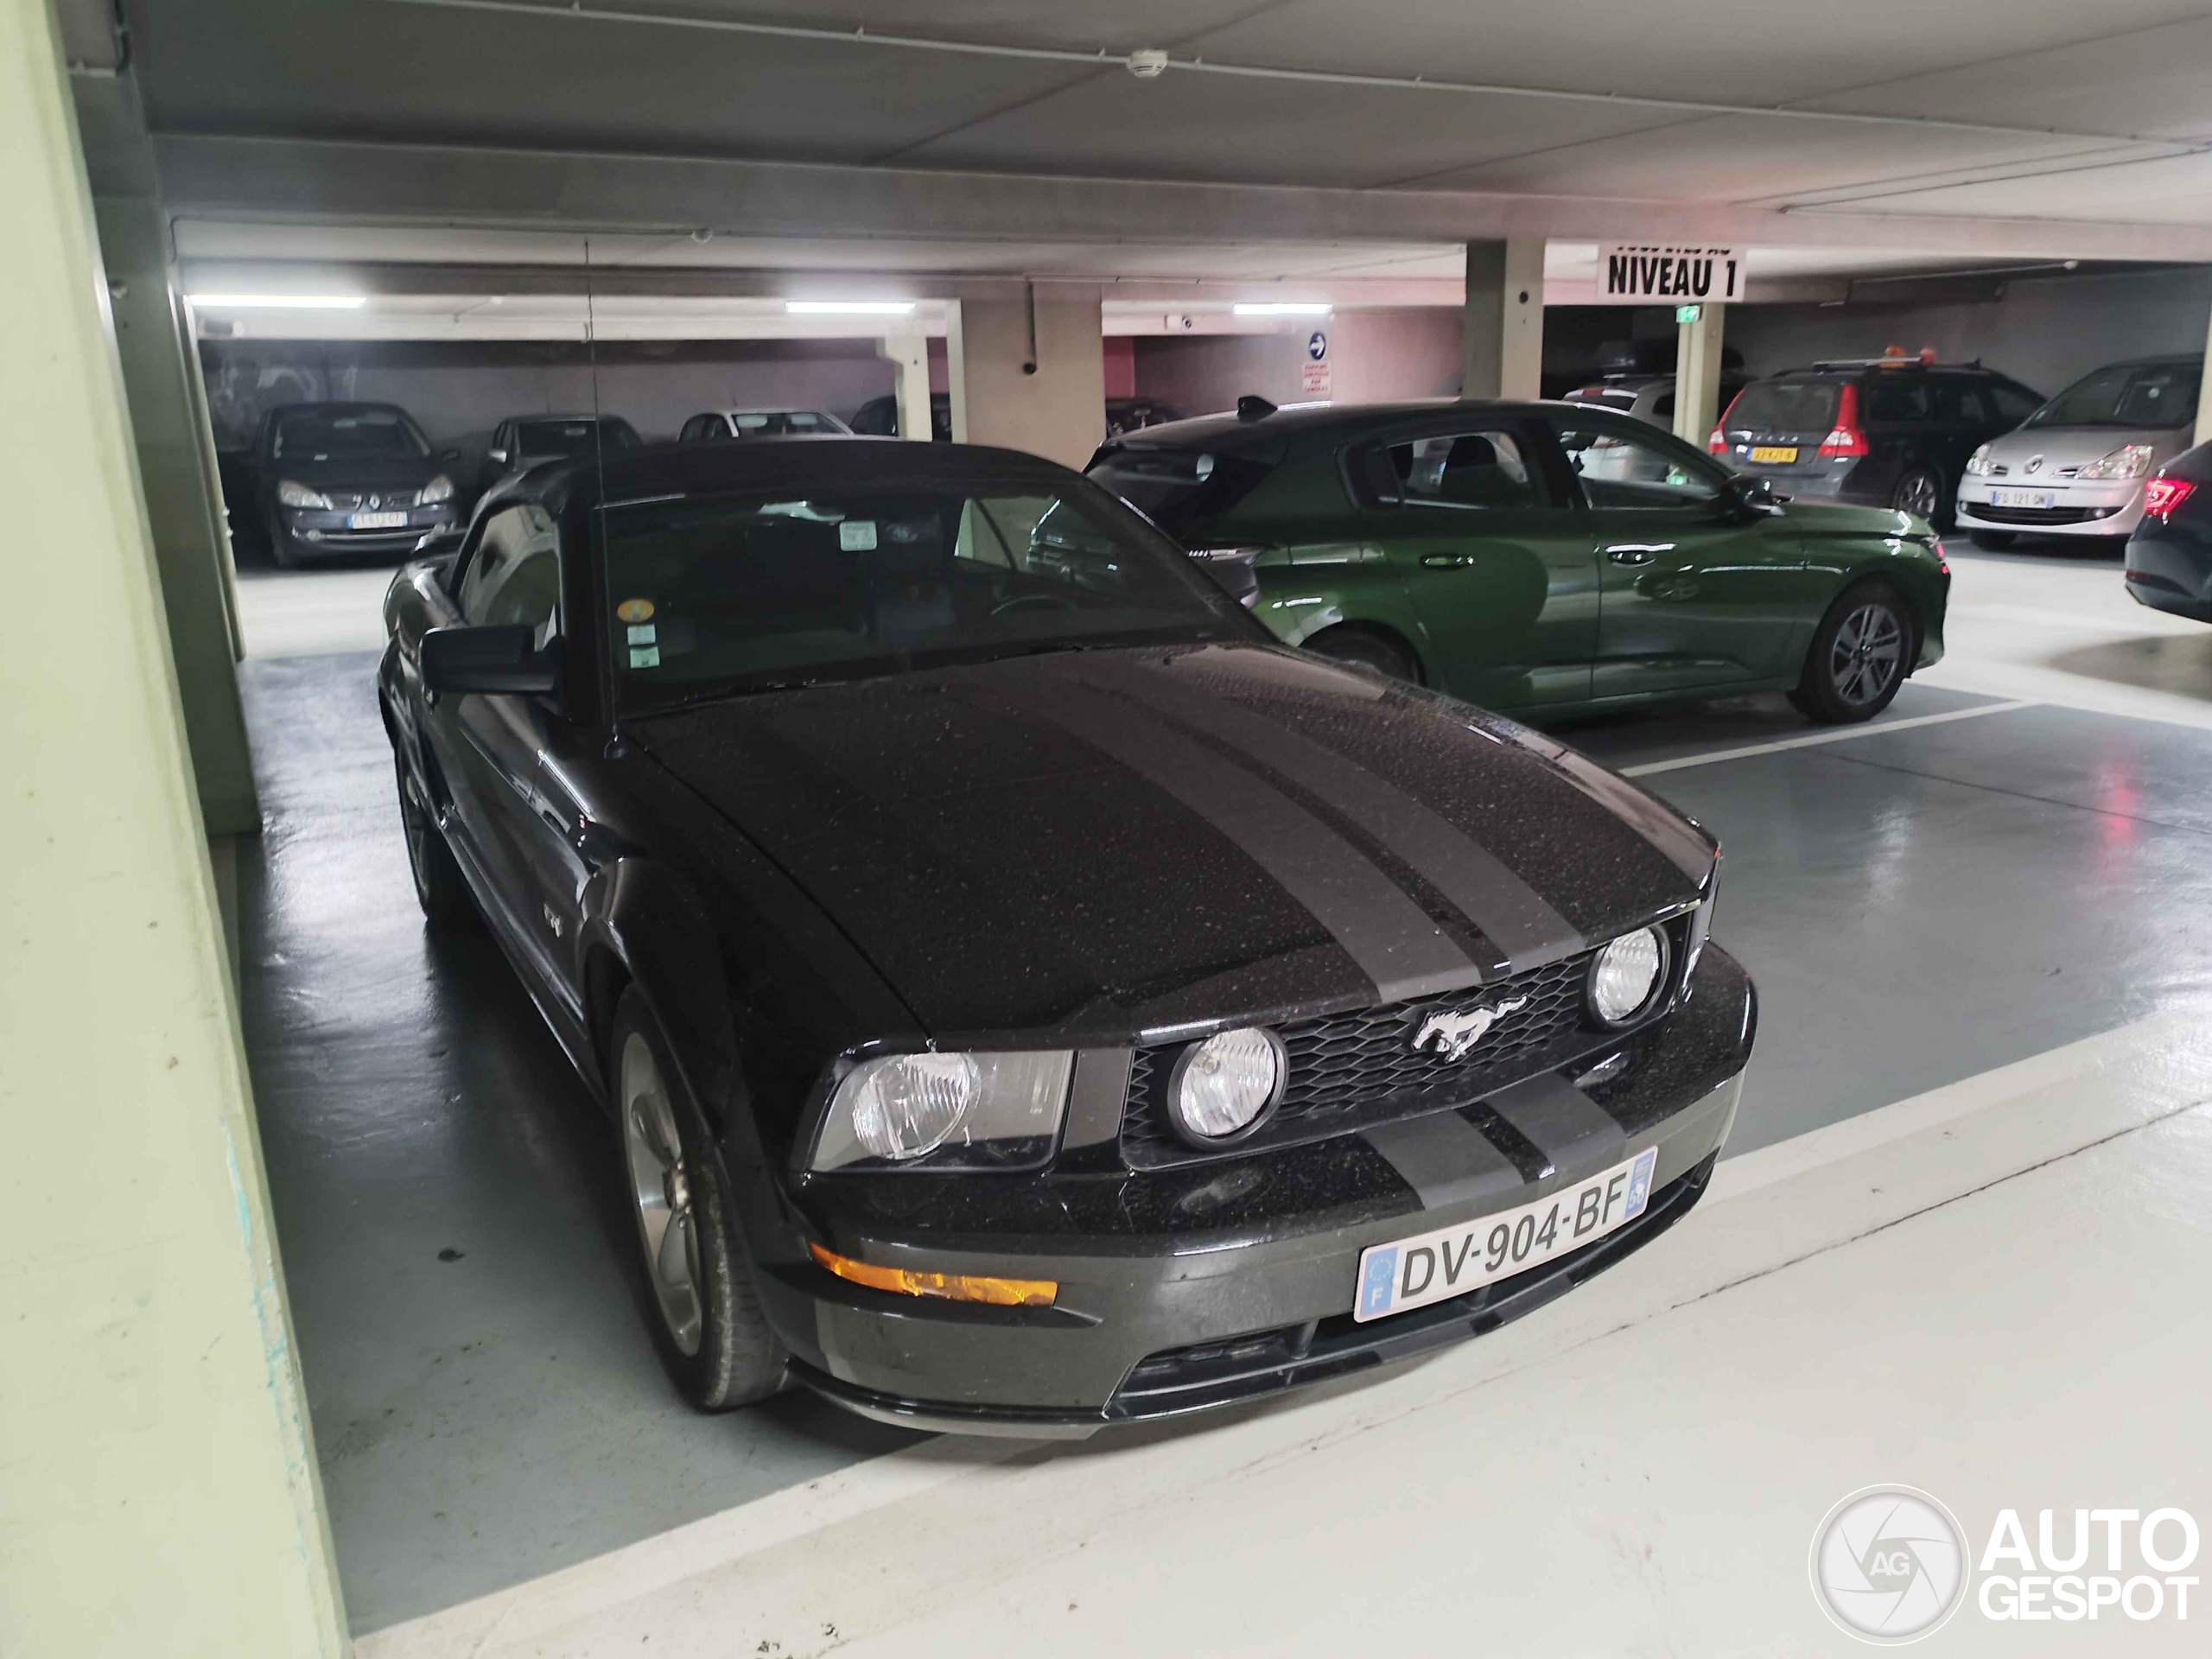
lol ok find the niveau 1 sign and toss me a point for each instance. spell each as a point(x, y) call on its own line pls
point(1646, 273)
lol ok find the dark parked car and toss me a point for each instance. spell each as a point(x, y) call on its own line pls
point(1545, 556)
point(1029, 995)
point(879, 418)
point(340, 478)
point(521, 441)
point(1886, 431)
point(2170, 556)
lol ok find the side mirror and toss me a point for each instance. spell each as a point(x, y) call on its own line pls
point(500, 455)
point(1751, 497)
point(504, 658)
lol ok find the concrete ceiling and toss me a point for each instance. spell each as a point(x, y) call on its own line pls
point(1356, 143)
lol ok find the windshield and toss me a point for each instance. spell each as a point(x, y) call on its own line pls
point(784, 422)
point(348, 435)
point(546, 439)
point(1806, 404)
point(2145, 396)
point(729, 594)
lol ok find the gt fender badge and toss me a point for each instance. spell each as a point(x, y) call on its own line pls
point(1452, 1035)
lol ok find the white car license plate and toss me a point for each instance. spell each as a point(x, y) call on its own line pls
point(1453, 1260)
point(378, 521)
point(2020, 498)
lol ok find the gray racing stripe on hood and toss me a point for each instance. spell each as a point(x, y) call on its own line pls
point(1446, 1160)
point(1391, 939)
point(1510, 912)
point(1574, 1133)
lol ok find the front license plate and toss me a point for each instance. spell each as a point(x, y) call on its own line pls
point(1414, 1272)
point(2021, 499)
point(378, 521)
point(1784, 452)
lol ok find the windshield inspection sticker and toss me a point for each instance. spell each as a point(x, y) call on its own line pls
point(635, 610)
point(857, 534)
point(645, 635)
point(645, 656)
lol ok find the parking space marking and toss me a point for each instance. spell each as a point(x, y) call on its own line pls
point(1813, 740)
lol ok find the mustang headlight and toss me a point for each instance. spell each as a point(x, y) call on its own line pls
point(946, 1111)
point(1223, 1087)
point(298, 495)
point(1626, 976)
point(2129, 461)
point(438, 489)
point(1978, 462)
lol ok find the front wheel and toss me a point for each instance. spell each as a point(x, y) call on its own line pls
point(700, 1298)
point(440, 887)
point(1861, 654)
point(1921, 492)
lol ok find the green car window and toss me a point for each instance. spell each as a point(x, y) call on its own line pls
point(1465, 470)
point(1618, 469)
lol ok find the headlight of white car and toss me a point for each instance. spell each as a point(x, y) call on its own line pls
point(438, 489)
point(2129, 461)
point(1978, 462)
point(298, 495)
point(945, 1111)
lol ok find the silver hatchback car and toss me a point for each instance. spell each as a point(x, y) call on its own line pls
point(2076, 465)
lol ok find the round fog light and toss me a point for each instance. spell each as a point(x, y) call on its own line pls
point(1223, 1087)
point(1627, 974)
point(909, 1104)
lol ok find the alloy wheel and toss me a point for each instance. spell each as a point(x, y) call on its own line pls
point(416, 825)
point(661, 1192)
point(1919, 496)
point(1868, 654)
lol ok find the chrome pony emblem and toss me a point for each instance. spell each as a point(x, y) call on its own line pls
point(1453, 1034)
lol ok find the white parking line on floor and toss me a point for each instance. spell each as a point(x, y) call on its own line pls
point(836, 1561)
point(1813, 740)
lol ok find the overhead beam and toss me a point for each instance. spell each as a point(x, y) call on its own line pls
point(279, 180)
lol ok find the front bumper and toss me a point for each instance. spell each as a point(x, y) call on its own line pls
point(317, 534)
point(2092, 509)
point(1188, 1289)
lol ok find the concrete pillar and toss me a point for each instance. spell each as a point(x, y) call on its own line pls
point(2204, 433)
point(192, 543)
point(909, 355)
point(1697, 374)
point(1504, 319)
point(160, 1492)
point(1045, 391)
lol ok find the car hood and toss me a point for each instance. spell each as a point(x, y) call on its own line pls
point(1809, 516)
point(1109, 845)
point(377, 474)
point(2077, 446)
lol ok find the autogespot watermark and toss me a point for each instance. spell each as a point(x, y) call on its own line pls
point(1891, 1564)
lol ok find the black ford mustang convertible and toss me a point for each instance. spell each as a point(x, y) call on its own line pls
point(1030, 997)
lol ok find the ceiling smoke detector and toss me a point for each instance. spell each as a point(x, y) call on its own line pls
point(1147, 64)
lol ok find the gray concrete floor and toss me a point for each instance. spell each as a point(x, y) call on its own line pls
point(1918, 905)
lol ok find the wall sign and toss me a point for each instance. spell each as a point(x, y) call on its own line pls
point(1643, 273)
point(1313, 377)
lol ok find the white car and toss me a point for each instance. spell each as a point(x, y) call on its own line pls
point(2076, 465)
point(719, 424)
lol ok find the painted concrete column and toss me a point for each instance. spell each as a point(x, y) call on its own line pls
point(1697, 374)
point(1028, 374)
point(2204, 433)
point(909, 355)
point(161, 1493)
point(192, 543)
point(1504, 319)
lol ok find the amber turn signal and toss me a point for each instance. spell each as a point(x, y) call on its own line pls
point(952, 1287)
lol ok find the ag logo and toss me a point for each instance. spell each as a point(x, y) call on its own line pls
point(1889, 1565)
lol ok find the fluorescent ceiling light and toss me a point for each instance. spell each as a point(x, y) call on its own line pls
point(849, 307)
point(1273, 308)
point(280, 302)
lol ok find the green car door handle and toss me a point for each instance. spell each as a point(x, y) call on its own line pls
point(1638, 552)
point(1447, 561)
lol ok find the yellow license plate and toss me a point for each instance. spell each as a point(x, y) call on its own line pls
point(1774, 452)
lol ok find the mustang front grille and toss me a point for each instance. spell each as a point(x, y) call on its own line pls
point(1350, 1071)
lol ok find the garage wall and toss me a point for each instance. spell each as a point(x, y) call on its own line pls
point(459, 390)
point(1377, 356)
point(2044, 332)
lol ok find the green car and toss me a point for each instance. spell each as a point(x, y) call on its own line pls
point(1541, 557)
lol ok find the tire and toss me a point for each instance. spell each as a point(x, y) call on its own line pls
point(1366, 648)
point(1861, 654)
point(1921, 492)
point(282, 553)
point(1993, 541)
point(440, 887)
point(694, 1275)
